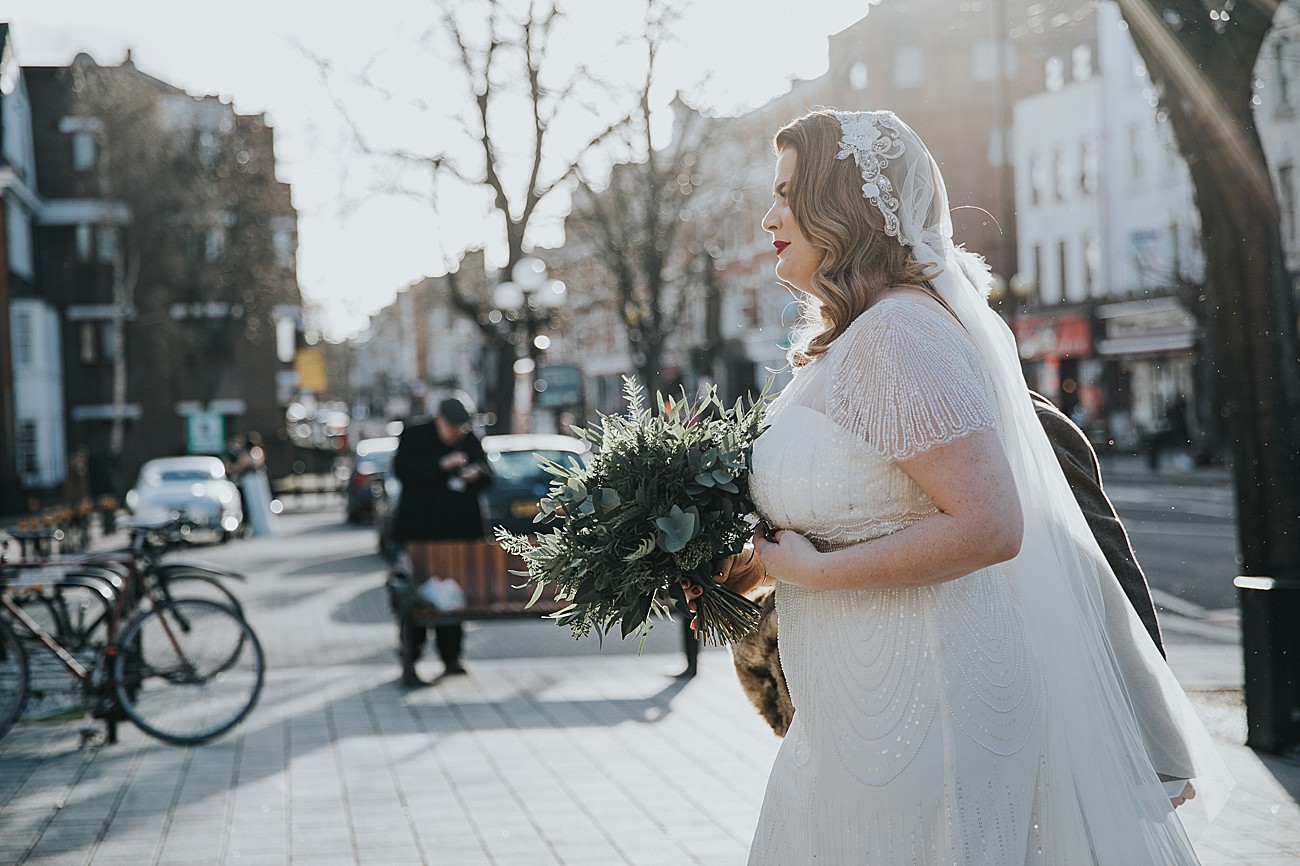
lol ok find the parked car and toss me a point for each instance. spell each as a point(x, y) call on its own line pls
point(195, 487)
point(370, 465)
point(520, 481)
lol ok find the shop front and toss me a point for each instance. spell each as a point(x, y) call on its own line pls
point(1148, 349)
point(1056, 352)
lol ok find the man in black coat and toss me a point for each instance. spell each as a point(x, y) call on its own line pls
point(1079, 463)
point(442, 468)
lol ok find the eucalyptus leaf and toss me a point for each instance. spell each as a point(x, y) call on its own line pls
point(676, 529)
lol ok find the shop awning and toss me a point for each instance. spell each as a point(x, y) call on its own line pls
point(1146, 344)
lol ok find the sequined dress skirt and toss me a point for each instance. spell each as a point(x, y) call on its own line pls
point(916, 736)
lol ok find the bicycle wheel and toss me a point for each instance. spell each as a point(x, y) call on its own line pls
point(84, 614)
point(13, 677)
point(188, 671)
point(177, 584)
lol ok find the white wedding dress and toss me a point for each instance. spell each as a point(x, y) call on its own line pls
point(917, 730)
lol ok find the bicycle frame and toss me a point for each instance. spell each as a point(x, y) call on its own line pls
point(75, 667)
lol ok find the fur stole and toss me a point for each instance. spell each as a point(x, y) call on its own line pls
point(759, 668)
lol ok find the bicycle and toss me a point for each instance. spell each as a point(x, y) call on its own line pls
point(184, 671)
point(76, 604)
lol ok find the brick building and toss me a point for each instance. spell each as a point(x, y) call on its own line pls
point(162, 255)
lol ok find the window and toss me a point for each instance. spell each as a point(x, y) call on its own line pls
point(85, 242)
point(1091, 264)
point(1282, 74)
point(908, 69)
point(1063, 269)
point(1081, 63)
point(1286, 200)
point(1144, 248)
point(1010, 60)
point(1054, 74)
point(88, 343)
point(208, 146)
point(106, 244)
point(28, 443)
point(282, 240)
point(858, 77)
point(85, 150)
point(1037, 182)
point(1037, 256)
point(214, 243)
point(1061, 166)
point(107, 342)
point(997, 154)
point(1135, 143)
point(189, 242)
point(1087, 167)
point(21, 327)
point(983, 60)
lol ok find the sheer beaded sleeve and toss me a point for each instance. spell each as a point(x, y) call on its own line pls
point(906, 380)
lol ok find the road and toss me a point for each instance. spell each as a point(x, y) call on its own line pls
point(324, 570)
point(1184, 536)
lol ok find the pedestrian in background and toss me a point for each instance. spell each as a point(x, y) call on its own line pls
point(255, 486)
point(442, 468)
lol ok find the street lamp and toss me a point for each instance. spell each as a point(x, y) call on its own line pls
point(529, 298)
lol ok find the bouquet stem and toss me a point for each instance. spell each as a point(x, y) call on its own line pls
point(724, 616)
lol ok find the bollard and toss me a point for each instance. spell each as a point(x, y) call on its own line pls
point(1270, 643)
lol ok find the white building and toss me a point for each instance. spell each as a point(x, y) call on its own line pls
point(39, 440)
point(1106, 228)
point(416, 349)
point(1277, 115)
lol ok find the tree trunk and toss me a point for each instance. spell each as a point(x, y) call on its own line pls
point(1207, 73)
point(1256, 347)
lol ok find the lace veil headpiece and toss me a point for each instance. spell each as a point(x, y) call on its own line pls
point(1116, 719)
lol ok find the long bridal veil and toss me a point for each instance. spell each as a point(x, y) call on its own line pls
point(1115, 718)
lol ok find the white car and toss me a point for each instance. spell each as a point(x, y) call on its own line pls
point(193, 487)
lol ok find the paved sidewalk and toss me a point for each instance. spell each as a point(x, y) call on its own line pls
point(583, 761)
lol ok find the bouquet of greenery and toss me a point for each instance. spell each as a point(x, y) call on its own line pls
point(665, 496)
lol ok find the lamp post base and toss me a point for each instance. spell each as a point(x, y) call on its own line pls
point(1270, 642)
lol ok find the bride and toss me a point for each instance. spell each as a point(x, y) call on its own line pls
point(970, 684)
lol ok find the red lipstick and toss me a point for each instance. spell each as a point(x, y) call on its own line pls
point(780, 246)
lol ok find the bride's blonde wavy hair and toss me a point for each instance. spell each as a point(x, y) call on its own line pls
point(858, 260)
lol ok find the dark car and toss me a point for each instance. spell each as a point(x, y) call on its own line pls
point(369, 469)
point(520, 479)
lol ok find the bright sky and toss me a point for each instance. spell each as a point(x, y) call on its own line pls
point(357, 243)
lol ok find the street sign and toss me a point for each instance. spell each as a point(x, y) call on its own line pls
point(205, 432)
point(562, 389)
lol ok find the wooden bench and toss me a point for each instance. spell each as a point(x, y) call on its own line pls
point(481, 568)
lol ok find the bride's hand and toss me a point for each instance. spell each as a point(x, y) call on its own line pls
point(742, 572)
point(788, 556)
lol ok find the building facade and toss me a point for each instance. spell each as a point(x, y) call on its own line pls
point(150, 252)
point(32, 448)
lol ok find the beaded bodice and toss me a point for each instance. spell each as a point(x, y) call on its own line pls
point(825, 466)
point(870, 670)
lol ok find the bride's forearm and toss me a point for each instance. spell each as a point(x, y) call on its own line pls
point(935, 549)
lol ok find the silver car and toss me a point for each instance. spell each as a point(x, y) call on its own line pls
point(194, 487)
